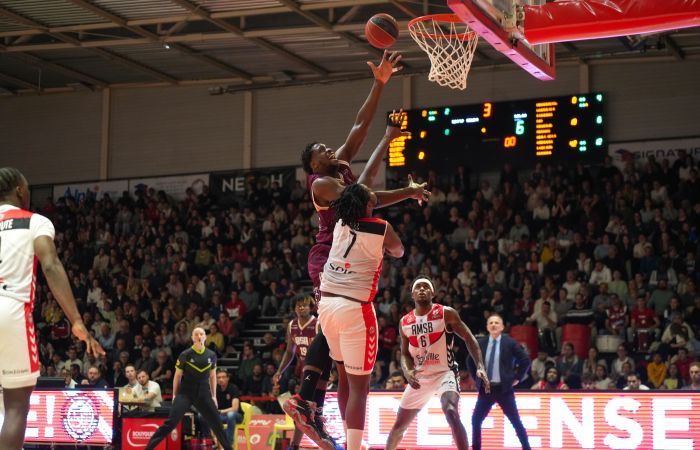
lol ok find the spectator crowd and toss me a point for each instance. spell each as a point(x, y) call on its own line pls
point(613, 250)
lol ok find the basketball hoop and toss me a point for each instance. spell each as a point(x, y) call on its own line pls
point(450, 45)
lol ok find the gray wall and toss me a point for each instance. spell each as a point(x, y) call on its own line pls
point(157, 131)
point(52, 138)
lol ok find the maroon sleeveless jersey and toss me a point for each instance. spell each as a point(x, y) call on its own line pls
point(326, 215)
point(302, 336)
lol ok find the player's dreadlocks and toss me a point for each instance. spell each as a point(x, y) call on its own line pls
point(10, 178)
point(351, 206)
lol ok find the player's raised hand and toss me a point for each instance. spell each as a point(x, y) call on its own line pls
point(419, 191)
point(387, 67)
point(393, 125)
point(412, 378)
point(92, 347)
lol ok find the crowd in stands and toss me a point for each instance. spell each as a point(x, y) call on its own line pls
point(614, 250)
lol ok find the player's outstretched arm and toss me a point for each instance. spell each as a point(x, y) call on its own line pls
point(414, 190)
point(286, 357)
point(407, 365)
point(393, 131)
point(358, 133)
point(392, 242)
point(455, 323)
point(45, 251)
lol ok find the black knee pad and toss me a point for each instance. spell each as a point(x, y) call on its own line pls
point(318, 353)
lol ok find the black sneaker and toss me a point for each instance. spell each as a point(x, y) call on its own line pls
point(320, 423)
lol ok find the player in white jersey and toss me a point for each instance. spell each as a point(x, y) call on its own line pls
point(427, 360)
point(348, 286)
point(25, 239)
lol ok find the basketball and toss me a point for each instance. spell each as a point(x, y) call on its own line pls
point(382, 30)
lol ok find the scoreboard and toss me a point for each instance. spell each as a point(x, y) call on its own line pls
point(485, 136)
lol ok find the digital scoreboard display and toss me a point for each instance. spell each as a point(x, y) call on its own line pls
point(485, 136)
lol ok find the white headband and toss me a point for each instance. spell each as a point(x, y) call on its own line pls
point(423, 280)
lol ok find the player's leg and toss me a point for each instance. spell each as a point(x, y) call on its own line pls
point(358, 343)
point(181, 404)
point(510, 410)
point(483, 405)
point(403, 419)
point(296, 439)
point(450, 406)
point(317, 359)
point(16, 403)
point(206, 407)
point(343, 391)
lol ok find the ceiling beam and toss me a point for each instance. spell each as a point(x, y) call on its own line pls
point(76, 43)
point(314, 18)
point(191, 37)
point(673, 46)
point(63, 70)
point(202, 13)
point(193, 18)
point(157, 39)
point(403, 8)
point(18, 82)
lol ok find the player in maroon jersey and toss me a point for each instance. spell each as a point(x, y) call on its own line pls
point(328, 174)
point(300, 333)
point(25, 240)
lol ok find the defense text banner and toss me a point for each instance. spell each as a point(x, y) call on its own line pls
point(621, 152)
point(96, 190)
point(554, 420)
point(232, 186)
point(70, 417)
point(175, 186)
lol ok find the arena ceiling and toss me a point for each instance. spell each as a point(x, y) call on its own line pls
point(62, 45)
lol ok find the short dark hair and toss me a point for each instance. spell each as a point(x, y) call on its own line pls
point(495, 315)
point(306, 157)
point(10, 178)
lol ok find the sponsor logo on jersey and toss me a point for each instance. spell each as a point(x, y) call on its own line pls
point(338, 269)
point(422, 328)
point(429, 359)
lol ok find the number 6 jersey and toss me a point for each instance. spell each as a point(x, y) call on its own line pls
point(355, 260)
point(429, 342)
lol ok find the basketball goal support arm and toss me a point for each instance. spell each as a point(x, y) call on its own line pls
point(572, 20)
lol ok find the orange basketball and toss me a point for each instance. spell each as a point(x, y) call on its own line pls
point(382, 30)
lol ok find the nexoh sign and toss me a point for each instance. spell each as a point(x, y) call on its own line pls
point(562, 420)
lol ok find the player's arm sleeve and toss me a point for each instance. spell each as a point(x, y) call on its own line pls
point(41, 226)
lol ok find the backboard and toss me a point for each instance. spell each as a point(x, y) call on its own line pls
point(497, 22)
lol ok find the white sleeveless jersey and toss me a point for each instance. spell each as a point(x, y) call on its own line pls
point(355, 260)
point(429, 342)
point(18, 229)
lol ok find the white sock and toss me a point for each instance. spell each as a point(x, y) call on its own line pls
point(354, 439)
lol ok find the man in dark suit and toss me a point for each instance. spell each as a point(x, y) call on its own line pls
point(507, 364)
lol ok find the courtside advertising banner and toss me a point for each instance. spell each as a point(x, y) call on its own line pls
point(70, 417)
point(639, 151)
point(664, 420)
point(174, 187)
point(93, 191)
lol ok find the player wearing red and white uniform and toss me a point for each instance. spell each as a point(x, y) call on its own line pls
point(427, 360)
point(329, 174)
point(25, 240)
point(348, 286)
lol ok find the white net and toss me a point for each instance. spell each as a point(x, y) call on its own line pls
point(450, 45)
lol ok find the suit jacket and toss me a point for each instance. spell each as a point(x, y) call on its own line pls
point(514, 362)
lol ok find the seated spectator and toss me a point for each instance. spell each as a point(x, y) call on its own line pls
point(601, 379)
point(546, 322)
point(67, 379)
point(569, 365)
point(600, 274)
point(634, 383)
point(677, 335)
point(588, 382)
point(395, 382)
point(227, 398)
point(253, 385)
point(150, 391)
point(621, 360)
point(580, 313)
point(94, 379)
point(551, 382)
point(683, 361)
point(590, 364)
point(215, 340)
point(644, 326)
point(673, 378)
point(694, 384)
point(163, 372)
point(617, 317)
point(145, 361)
point(656, 371)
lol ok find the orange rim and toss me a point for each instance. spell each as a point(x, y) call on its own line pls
point(448, 18)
